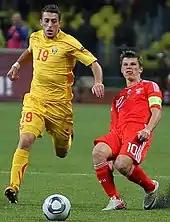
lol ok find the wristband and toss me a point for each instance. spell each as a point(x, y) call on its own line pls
point(16, 65)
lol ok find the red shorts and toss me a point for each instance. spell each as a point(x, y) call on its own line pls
point(125, 142)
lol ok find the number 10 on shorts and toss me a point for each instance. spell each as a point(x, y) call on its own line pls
point(136, 150)
point(132, 148)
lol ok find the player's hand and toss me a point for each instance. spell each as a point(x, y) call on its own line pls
point(98, 89)
point(13, 74)
point(143, 135)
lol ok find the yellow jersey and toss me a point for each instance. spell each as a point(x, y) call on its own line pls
point(53, 63)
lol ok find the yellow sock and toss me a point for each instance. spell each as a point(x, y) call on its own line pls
point(19, 165)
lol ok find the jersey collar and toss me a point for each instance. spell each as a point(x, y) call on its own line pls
point(56, 37)
point(128, 87)
point(58, 34)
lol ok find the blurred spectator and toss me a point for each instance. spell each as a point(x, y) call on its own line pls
point(23, 8)
point(17, 33)
point(164, 75)
point(166, 95)
point(2, 39)
point(125, 34)
point(84, 30)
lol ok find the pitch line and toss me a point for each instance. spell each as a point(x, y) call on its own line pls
point(74, 174)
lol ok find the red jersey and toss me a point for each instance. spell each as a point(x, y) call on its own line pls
point(133, 103)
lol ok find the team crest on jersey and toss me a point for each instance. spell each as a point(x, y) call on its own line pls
point(139, 91)
point(54, 50)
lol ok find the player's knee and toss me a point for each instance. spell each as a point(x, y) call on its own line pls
point(123, 164)
point(101, 152)
point(26, 140)
point(61, 152)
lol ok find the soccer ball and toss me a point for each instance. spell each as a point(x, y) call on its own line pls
point(56, 207)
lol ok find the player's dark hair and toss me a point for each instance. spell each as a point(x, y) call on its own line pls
point(53, 9)
point(131, 54)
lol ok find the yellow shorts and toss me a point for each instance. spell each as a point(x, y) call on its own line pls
point(54, 117)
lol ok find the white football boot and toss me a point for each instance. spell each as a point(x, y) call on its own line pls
point(114, 204)
point(150, 198)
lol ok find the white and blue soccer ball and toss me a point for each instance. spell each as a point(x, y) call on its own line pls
point(56, 207)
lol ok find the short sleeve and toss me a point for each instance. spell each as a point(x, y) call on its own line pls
point(30, 43)
point(80, 53)
point(154, 95)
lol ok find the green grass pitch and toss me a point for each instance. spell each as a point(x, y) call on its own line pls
point(74, 176)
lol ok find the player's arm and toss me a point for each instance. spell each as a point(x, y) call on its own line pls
point(13, 72)
point(155, 118)
point(24, 58)
point(155, 105)
point(86, 57)
point(98, 87)
point(144, 134)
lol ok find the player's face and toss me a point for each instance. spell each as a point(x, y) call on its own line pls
point(131, 69)
point(50, 23)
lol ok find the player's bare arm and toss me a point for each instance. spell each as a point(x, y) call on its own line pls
point(98, 87)
point(144, 134)
point(13, 72)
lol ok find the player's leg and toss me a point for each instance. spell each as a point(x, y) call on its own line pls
point(19, 165)
point(127, 163)
point(59, 124)
point(31, 126)
point(62, 146)
point(62, 136)
point(105, 149)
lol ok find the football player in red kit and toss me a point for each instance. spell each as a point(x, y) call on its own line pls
point(135, 112)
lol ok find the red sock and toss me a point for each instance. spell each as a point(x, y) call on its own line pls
point(139, 177)
point(105, 177)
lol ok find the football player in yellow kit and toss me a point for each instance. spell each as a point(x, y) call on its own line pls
point(48, 105)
